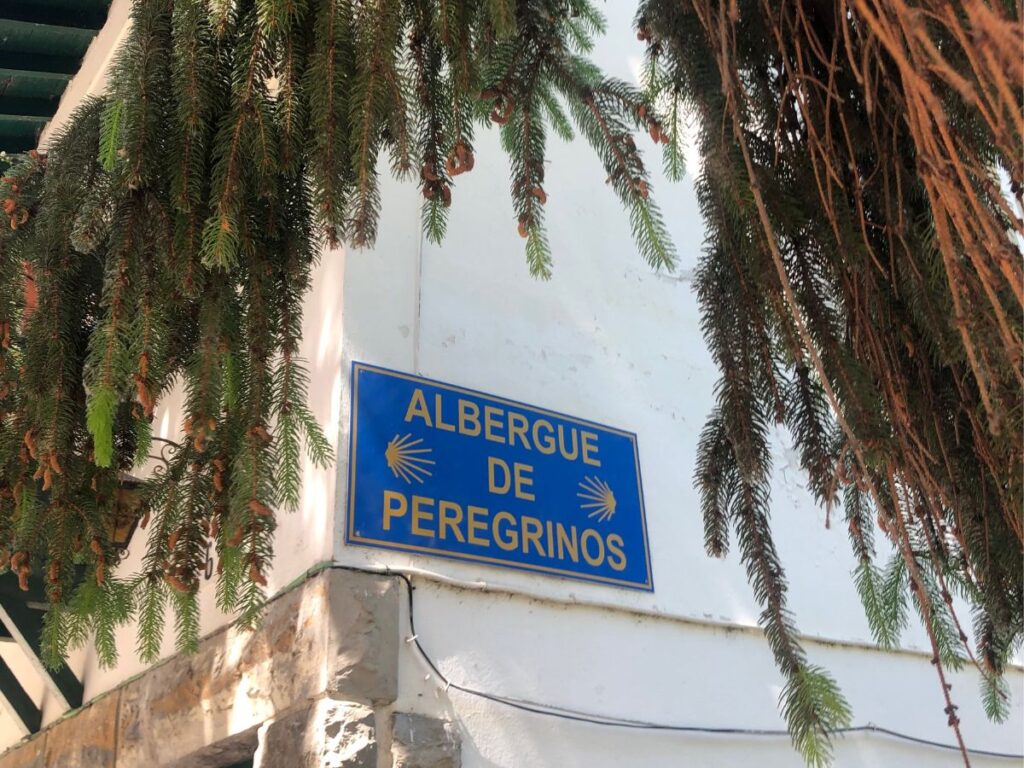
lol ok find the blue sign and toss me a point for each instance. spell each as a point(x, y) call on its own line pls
point(442, 470)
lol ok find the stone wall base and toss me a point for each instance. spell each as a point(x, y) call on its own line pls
point(423, 742)
point(312, 688)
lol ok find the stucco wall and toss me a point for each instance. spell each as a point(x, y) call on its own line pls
point(608, 339)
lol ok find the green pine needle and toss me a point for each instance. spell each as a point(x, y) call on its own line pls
point(152, 601)
point(220, 244)
point(504, 17)
point(813, 708)
point(996, 697)
point(110, 133)
point(101, 406)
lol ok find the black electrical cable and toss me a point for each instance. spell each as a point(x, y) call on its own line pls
point(585, 717)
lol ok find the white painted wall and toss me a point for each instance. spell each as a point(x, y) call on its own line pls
point(662, 671)
point(609, 340)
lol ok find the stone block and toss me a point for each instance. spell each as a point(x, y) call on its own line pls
point(86, 739)
point(230, 751)
point(338, 633)
point(424, 742)
point(363, 637)
point(323, 734)
point(233, 683)
point(26, 754)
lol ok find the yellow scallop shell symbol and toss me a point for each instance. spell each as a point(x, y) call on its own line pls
point(407, 459)
point(597, 497)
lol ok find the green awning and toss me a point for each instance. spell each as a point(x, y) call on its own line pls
point(41, 47)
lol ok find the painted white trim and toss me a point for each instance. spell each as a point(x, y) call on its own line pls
point(34, 662)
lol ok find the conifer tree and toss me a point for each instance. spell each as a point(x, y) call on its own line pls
point(169, 234)
point(862, 285)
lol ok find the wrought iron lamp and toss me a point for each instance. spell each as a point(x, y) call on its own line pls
point(127, 511)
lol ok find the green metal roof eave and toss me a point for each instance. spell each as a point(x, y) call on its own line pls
point(42, 43)
point(28, 37)
point(67, 13)
point(26, 83)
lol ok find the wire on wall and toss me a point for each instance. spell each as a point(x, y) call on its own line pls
point(563, 713)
